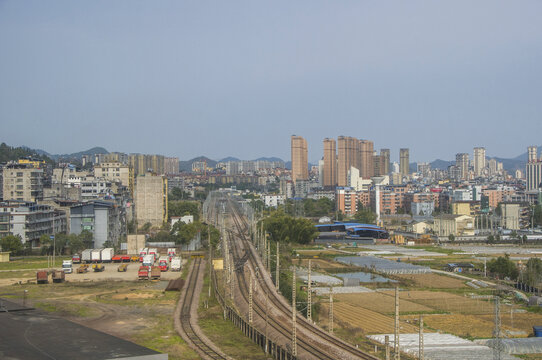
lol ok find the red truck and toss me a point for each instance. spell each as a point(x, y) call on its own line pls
point(42, 277)
point(155, 273)
point(163, 263)
point(143, 273)
point(76, 259)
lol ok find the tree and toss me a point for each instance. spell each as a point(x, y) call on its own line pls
point(451, 237)
point(533, 271)
point(503, 267)
point(365, 215)
point(284, 228)
point(214, 234)
point(75, 243)
point(183, 233)
point(11, 243)
point(491, 239)
point(178, 194)
point(87, 238)
point(537, 215)
point(146, 227)
point(181, 208)
point(162, 236)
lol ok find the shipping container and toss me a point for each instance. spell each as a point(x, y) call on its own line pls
point(96, 255)
point(107, 254)
point(85, 255)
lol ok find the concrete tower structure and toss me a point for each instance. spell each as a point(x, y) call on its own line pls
point(300, 164)
point(404, 162)
point(330, 163)
point(479, 160)
point(532, 154)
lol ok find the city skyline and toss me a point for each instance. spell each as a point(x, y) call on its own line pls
point(190, 79)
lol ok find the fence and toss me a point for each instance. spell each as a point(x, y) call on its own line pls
point(527, 288)
point(267, 345)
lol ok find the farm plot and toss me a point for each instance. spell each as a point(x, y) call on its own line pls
point(321, 264)
point(433, 281)
point(365, 320)
point(520, 323)
point(446, 302)
point(381, 302)
point(469, 326)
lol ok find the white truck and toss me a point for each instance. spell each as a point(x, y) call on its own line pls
point(154, 252)
point(107, 254)
point(176, 264)
point(67, 266)
point(96, 255)
point(85, 256)
point(148, 260)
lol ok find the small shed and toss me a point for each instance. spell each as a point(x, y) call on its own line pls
point(4, 256)
point(535, 300)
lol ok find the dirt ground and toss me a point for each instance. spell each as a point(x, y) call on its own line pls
point(433, 281)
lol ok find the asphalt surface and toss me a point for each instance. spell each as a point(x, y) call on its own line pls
point(34, 334)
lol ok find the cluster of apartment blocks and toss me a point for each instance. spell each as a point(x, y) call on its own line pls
point(35, 200)
point(351, 176)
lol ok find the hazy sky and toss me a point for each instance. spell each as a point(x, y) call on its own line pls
point(238, 78)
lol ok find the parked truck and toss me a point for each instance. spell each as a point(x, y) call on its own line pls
point(176, 264)
point(148, 260)
point(171, 252)
point(107, 255)
point(155, 273)
point(42, 277)
point(143, 273)
point(76, 259)
point(96, 255)
point(67, 266)
point(163, 263)
point(85, 256)
point(58, 276)
point(154, 252)
point(142, 253)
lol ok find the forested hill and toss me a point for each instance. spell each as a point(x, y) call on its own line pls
point(8, 153)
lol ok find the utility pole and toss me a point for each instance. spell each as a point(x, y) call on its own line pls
point(269, 256)
point(397, 352)
point(294, 317)
point(387, 344)
point(266, 318)
point(331, 310)
point(232, 278)
point(250, 301)
point(309, 295)
point(421, 338)
point(497, 344)
point(277, 270)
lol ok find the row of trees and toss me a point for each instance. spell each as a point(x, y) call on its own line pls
point(63, 242)
point(182, 233)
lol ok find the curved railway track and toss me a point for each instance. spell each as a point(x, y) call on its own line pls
point(316, 348)
point(198, 343)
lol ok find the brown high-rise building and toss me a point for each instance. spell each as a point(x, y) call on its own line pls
point(377, 163)
point(330, 163)
point(300, 163)
point(366, 165)
point(404, 165)
point(384, 161)
point(348, 155)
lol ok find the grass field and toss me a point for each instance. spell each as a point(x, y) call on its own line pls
point(447, 302)
point(380, 302)
point(34, 263)
point(434, 281)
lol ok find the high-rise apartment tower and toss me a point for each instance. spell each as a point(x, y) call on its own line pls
point(330, 163)
point(404, 164)
point(300, 164)
point(479, 160)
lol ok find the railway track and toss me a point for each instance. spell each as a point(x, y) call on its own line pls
point(198, 343)
point(323, 345)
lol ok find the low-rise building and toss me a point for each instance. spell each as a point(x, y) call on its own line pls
point(30, 220)
point(457, 225)
point(274, 200)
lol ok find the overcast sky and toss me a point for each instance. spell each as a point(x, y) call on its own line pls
point(238, 78)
